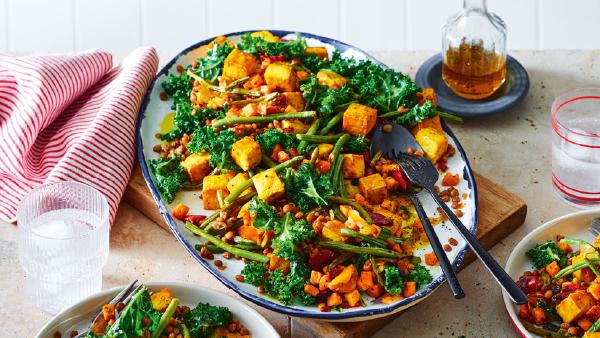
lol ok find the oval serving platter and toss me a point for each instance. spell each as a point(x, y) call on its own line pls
point(78, 316)
point(153, 112)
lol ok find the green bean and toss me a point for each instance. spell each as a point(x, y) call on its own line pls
point(240, 240)
point(246, 184)
point(393, 113)
point(165, 318)
point(184, 330)
point(343, 192)
point(243, 199)
point(267, 161)
point(376, 158)
point(224, 89)
point(377, 252)
point(267, 97)
point(338, 214)
point(318, 138)
point(363, 213)
point(311, 131)
point(225, 246)
point(237, 82)
point(575, 267)
point(375, 271)
point(364, 238)
point(209, 247)
point(335, 171)
point(262, 119)
point(340, 259)
point(338, 147)
point(451, 117)
point(332, 123)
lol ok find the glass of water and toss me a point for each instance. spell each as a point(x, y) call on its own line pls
point(63, 242)
point(576, 147)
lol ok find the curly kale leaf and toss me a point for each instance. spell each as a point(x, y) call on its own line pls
point(290, 49)
point(290, 287)
point(129, 322)
point(393, 282)
point(211, 66)
point(356, 145)
point(271, 137)
point(290, 232)
point(169, 175)
point(265, 217)
point(545, 253)
point(314, 63)
point(178, 87)
point(204, 319)
point(421, 275)
point(309, 188)
point(417, 114)
point(216, 143)
point(254, 273)
point(186, 120)
point(323, 99)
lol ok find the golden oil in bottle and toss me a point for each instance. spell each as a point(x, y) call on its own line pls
point(473, 72)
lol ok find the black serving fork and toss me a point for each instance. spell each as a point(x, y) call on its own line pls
point(422, 173)
point(124, 296)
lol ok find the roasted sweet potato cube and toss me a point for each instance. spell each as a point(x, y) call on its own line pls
point(268, 185)
point(353, 166)
point(365, 281)
point(433, 142)
point(197, 166)
point(236, 181)
point(331, 79)
point(239, 64)
point(574, 306)
point(353, 297)
point(249, 232)
point(161, 299)
point(315, 277)
point(311, 290)
point(334, 299)
point(320, 52)
point(281, 76)
point(211, 185)
point(278, 263)
point(591, 335)
point(594, 290)
point(359, 119)
point(265, 35)
point(295, 100)
point(373, 188)
point(345, 281)
point(294, 126)
point(390, 299)
point(246, 153)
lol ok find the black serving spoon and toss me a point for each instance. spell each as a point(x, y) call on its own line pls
point(393, 140)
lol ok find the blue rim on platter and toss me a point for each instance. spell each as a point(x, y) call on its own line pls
point(267, 302)
point(513, 90)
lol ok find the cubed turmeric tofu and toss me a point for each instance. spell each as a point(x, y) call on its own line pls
point(294, 101)
point(359, 119)
point(346, 281)
point(197, 166)
point(246, 153)
point(594, 290)
point(433, 142)
point(432, 122)
point(353, 166)
point(353, 298)
point(239, 64)
point(294, 126)
point(211, 186)
point(268, 185)
point(236, 181)
point(373, 188)
point(282, 76)
point(332, 230)
point(574, 306)
point(161, 299)
point(591, 335)
point(331, 79)
point(320, 52)
point(265, 35)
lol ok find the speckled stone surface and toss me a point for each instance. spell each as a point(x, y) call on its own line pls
point(512, 148)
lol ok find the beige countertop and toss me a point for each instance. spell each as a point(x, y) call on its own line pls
point(512, 148)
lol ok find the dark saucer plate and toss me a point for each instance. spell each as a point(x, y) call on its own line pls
point(513, 90)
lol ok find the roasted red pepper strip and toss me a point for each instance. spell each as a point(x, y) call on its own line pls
point(399, 177)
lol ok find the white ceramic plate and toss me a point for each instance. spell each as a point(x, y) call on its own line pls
point(78, 316)
point(153, 112)
point(572, 225)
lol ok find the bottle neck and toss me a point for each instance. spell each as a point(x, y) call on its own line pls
point(473, 4)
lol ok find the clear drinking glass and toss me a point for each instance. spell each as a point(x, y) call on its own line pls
point(576, 147)
point(63, 242)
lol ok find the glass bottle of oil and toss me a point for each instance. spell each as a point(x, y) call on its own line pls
point(474, 51)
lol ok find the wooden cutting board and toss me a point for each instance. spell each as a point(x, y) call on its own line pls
point(500, 212)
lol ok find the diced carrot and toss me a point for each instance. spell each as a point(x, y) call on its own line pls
point(365, 281)
point(315, 277)
point(585, 323)
point(311, 290)
point(180, 211)
point(324, 282)
point(539, 316)
point(334, 299)
point(565, 247)
point(410, 288)
point(552, 268)
point(375, 291)
point(430, 259)
point(323, 166)
point(353, 298)
point(450, 180)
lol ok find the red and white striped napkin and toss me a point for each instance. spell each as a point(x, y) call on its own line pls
point(69, 117)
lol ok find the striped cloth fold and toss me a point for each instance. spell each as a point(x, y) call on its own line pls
point(69, 118)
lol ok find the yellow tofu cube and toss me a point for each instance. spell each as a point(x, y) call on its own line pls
point(353, 166)
point(282, 76)
point(359, 119)
point(320, 52)
point(246, 153)
point(294, 126)
point(433, 142)
point(265, 35)
point(594, 290)
point(373, 188)
point(268, 185)
point(236, 181)
point(161, 299)
point(239, 64)
point(574, 306)
point(294, 100)
point(211, 186)
point(331, 79)
point(196, 166)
